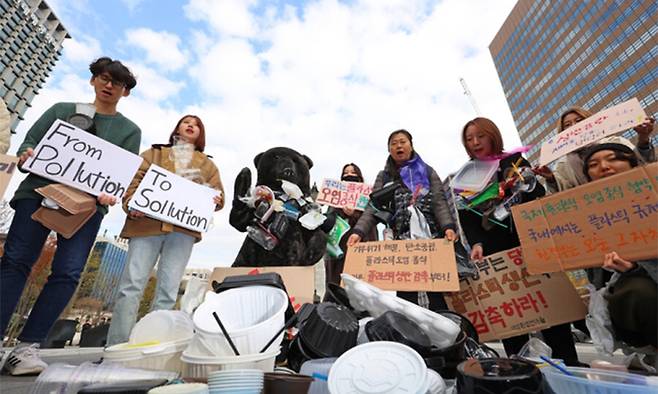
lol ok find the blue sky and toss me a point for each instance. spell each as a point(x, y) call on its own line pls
point(330, 79)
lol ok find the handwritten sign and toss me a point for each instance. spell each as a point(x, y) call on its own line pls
point(74, 157)
point(7, 167)
point(173, 199)
point(575, 228)
point(299, 281)
point(504, 300)
point(413, 265)
point(341, 194)
point(607, 122)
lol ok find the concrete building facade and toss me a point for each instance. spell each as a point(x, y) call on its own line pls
point(551, 55)
point(31, 39)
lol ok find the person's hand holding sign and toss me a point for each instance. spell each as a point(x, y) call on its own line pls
point(219, 201)
point(612, 261)
point(477, 252)
point(135, 214)
point(24, 156)
point(644, 131)
point(353, 240)
point(106, 199)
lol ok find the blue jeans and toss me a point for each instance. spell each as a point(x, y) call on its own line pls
point(174, 250)
point(22, 249)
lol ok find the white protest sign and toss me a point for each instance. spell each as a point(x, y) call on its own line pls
point(166, 196)
point(607, 122)
point(74, 157)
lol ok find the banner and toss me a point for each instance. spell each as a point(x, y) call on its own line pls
point(504, 300)
point(166, 196)
point(577, 227)
point(299, 281)
point(7, 167)
point(341, 194)
point(74, 157)
point(607, 122)
point(413, 265)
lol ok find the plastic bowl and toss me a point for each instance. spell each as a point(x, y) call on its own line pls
point(162, 326)
point(283, 383)
point(200, 367)
point(251, 315)
point(161, 357)
point(597, 381)
point(395, 327)
point(499, 375)
point(330, 330)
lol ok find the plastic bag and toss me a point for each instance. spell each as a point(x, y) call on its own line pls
point(341, 227)
point(598, 321)
point(418, 227)
point(195, 291)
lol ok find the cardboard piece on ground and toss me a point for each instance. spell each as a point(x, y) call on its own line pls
point(7, 167)
point(171, 198)
point(299, 281)
point(577, 227)
point(339, 194)
point(408, 265)
point(504, 300)
point(604, 123)
point(75, 209)
point(74, 157)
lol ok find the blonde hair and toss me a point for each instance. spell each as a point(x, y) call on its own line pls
point(582, 112)
point(489, 128)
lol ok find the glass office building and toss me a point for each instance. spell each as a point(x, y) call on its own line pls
point(31, 39)
point(551, 55)
point(112, 255)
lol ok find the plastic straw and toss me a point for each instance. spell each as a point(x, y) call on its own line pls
point(285, 325)
point(490, 219)
point(228, 338)
point(556, 366)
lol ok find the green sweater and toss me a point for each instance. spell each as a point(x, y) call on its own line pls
point(116, 129)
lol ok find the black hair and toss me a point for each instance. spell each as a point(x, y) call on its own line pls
point(115, 68)
point(401, 131)
point(621, 151)
point(356, 169)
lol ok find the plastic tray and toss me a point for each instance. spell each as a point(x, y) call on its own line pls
point(475, 175)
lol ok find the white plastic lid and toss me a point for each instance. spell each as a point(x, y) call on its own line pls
point(379, 367)
point(475, 175)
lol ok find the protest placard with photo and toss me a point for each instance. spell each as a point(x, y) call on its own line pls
point(74, 157)
point(504, 300)
point(412, 265)
point(341, 194)
point(299, 281)
point(576, 228)
point(166, 196)
point(607, 122)
point(7, 167)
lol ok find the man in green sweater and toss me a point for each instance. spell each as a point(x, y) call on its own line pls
point(111, 81)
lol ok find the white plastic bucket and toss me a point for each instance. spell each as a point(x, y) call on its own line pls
point(200, 367)
point(162, 356)
point(251, 316)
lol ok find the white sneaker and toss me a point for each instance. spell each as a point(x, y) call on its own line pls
point(24, 360)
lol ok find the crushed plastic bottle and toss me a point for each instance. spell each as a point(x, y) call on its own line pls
point(262, 237)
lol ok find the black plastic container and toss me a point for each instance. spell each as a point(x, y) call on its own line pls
point(297, 355)
point(498, 376)
point(267, 279)
point(452, 356)
point(396, 327)
point(329, 331)
point(336, 294)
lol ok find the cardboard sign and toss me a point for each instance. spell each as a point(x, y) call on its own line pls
point(74, 157)
point(166, 196)
point(607, 122)
point(504, 300)
point(299, 281)
point(341, 194)
point(7, 167)
point(413, 265)
point(576, 228)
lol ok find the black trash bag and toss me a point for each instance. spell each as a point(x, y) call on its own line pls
point(465, 267)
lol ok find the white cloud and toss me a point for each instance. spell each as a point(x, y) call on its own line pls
point(161, 47)
point(152, 85)
point(82, 49)
point(227, 17)
point(132, 5)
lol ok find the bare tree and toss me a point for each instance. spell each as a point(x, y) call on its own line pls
point(6, 215)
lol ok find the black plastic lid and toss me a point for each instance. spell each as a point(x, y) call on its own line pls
point(330, 330)
point(335, 293)
point(396, 327)
point(498, 375)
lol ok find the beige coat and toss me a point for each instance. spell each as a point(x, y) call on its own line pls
point(160, 155)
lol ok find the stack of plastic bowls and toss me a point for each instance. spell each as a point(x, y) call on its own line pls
point(244, 381)
point(185, 388)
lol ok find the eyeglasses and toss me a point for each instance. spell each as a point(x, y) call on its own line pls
point(104, 79)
